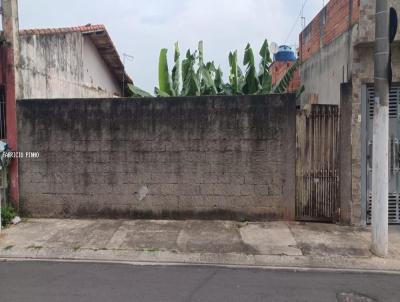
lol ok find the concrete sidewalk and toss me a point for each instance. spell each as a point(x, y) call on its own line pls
point(272, 244)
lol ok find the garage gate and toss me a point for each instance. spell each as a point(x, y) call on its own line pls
point(394, 152)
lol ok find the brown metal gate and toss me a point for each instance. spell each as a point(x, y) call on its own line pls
point(317, 163)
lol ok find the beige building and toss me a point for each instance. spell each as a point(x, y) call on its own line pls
point(74, 62)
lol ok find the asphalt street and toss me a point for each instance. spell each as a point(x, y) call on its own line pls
point(55, 281)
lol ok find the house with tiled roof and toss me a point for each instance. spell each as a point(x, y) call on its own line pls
point(72, 62)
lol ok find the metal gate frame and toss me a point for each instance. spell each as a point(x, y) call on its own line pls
point(317, 164)
point(366, 147)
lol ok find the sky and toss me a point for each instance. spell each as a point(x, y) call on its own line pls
point(141, 28)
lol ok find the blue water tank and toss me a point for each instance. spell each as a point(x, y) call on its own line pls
point(285, 53)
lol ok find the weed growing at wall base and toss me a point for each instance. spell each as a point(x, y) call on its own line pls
point(7, 215)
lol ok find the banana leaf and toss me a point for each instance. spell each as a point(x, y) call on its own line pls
point(164, 78)
point(137, 92)
point(160, 93)
point(217, 75)
point(176, 71)
point(234, 76)
point(300, 91)
point(205, 74)
point(264, 77)
point(252, 84)
point(190, 85)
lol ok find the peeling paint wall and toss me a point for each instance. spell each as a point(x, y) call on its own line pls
point(62, 66)
point(204, 157)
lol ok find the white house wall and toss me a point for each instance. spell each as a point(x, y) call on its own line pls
point(96, 73)
point(53, 66)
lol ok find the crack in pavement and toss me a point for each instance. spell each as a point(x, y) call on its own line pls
point(204, 282)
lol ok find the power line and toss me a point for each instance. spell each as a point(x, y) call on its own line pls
point(297, 20)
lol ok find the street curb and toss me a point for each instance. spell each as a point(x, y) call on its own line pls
point(229, 266)
point(167, 258)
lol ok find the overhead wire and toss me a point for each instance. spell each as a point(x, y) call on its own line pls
point(297, 20)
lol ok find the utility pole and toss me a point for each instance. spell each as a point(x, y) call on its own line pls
point(380, 164)
point(11, 25)
point(11, 47)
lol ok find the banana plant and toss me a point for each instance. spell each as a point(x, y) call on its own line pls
point(202, 81)
point(219, 83)
point(216, 76)
point(300, 91)
point(176, 71)
point(134, 91)
point(190, 82)
point(264, 77)
point(252, 84)
point(236, 78)
point(164, 78)
point(194, 77)
point(204, 74)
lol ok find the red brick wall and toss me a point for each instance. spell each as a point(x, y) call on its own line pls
point(328, 24)
point(337, 20)
point(278, 70)
point(310, 39)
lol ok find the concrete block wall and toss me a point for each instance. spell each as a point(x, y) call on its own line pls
point(323, 73)
point(207, 157)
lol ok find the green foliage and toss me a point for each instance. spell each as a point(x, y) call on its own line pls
point(219, 83)
point(205, 74)
point(164, 78)
point(176, 71)
point(135, 91)
point(252, 85)
point(300, 91)
point(191, 85)
point(7, 214)
point(194, 77)
point(264, 76)
point(199, 78)
point(235, 76)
